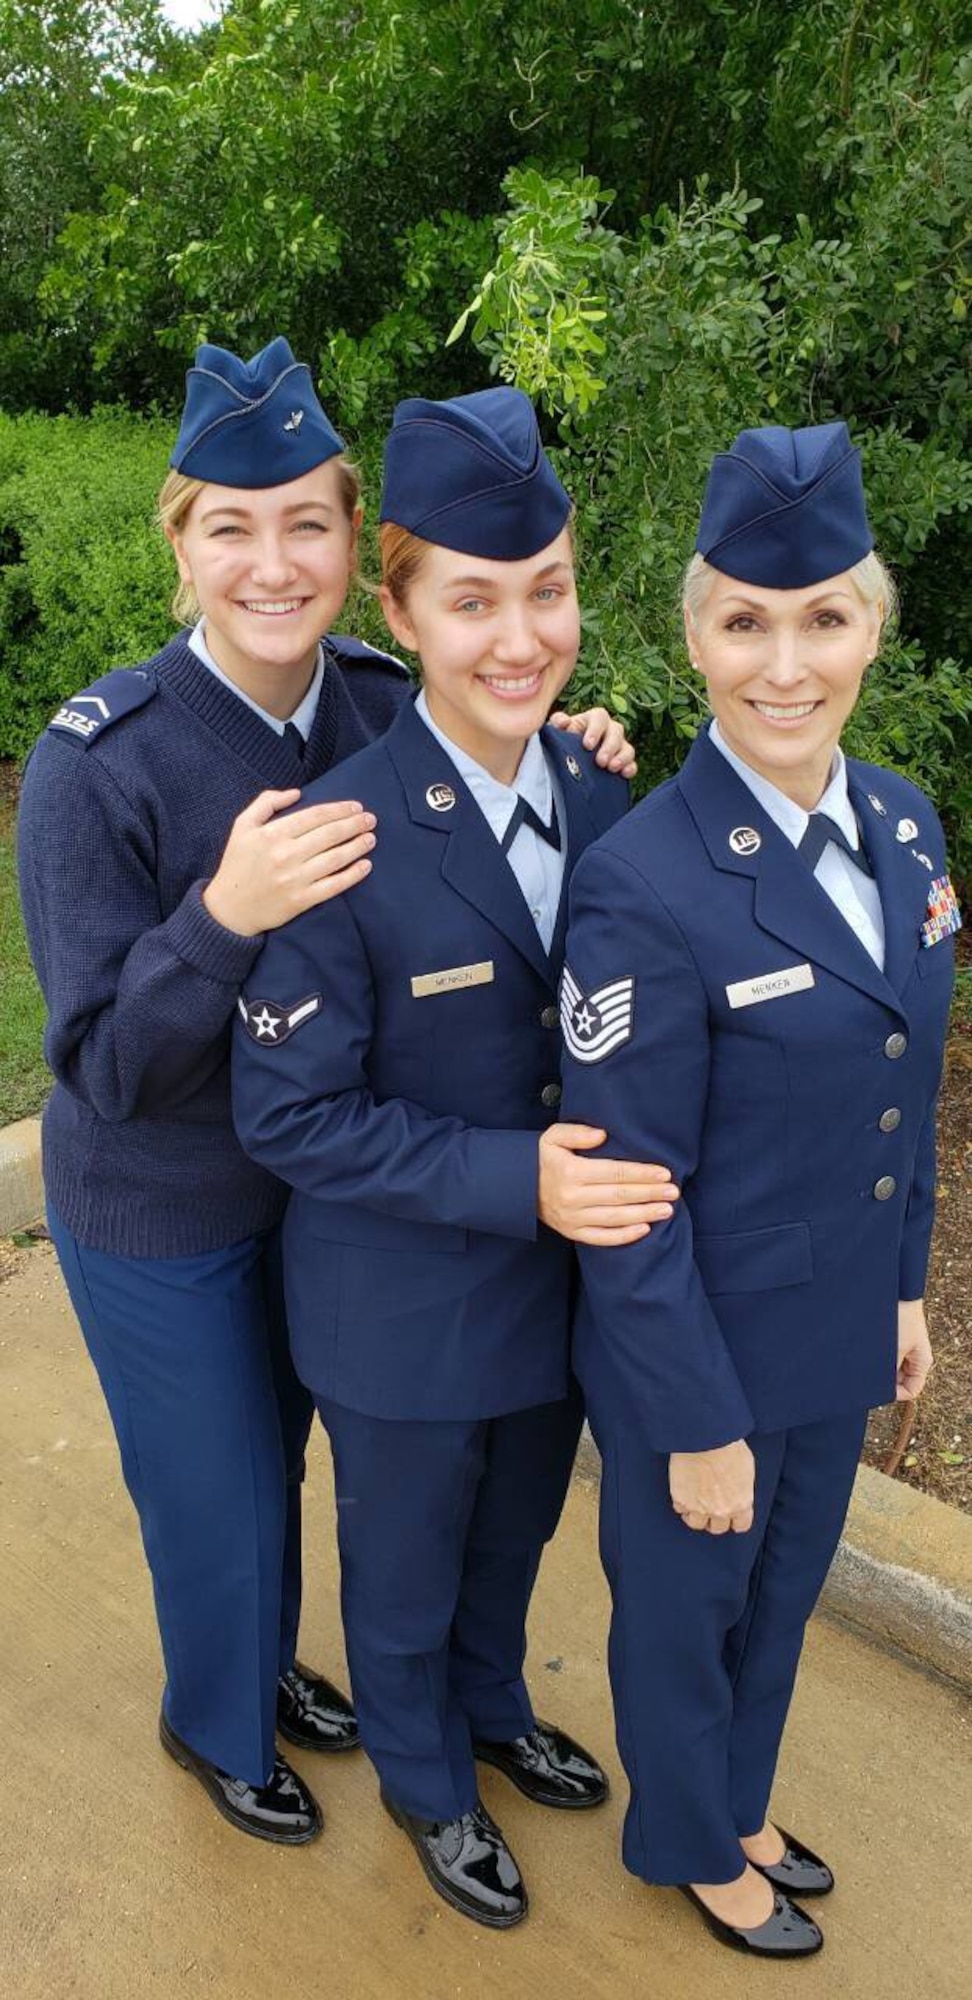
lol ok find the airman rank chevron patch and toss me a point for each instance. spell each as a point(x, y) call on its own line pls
point(595, 1024)
point(266, 1021)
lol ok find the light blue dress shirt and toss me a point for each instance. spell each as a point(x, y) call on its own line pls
point(304, 713)
point(854, 894)
point(538, 867)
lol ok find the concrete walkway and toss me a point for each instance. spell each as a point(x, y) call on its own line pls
point(119, 1882)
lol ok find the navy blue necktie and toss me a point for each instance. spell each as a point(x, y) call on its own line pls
point(524, 815)
point(820, 833)
point(294, 741)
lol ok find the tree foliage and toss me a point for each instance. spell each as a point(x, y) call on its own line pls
point(664, 222)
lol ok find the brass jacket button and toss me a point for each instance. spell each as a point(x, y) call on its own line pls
point(551, 1095)
point(890, 1119)
point(896, 1044)
point(885, 1187)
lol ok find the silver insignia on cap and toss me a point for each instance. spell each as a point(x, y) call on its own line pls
point(441, 798)
point(745, 840)
point(294, 420)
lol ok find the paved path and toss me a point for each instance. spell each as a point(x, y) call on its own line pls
point(118, 1882)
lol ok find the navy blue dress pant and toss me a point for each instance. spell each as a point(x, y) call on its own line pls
point(441, 1527)
point(211, 1423)
point(706, 1636)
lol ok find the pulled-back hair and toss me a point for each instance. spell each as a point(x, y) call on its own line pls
point(402, 557)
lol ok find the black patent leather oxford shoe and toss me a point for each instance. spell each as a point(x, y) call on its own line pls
point(787, 1933)
point(468, 1863)
point(314, 1714)
point(799, 1872)
point(282, 1810)
point(548, 1767)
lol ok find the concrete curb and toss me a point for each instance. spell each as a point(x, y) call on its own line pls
point(21, 1187)
point(903, 1572)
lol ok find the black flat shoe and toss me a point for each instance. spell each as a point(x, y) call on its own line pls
point(799, 1872)
point(283, 1810)
point(314, 1714)
point(548, 1767)
point(468, 1863)
point(788, 1933)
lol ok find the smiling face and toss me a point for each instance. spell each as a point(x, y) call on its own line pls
point(497, 642)
point(270, 569)
point(783, 670)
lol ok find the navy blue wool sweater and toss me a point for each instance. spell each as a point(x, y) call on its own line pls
point(127, 803)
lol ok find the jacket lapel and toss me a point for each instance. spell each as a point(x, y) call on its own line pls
point(473, 863)
point(787, 900)
point(903, 880)
point(574, 781)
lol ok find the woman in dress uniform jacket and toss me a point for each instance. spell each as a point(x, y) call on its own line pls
point(153, 859)
point(757, 986)
point(397, 1062)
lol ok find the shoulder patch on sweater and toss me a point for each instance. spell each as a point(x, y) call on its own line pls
point(356, 652)
point(87, 715)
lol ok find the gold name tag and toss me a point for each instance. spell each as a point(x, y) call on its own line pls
point(448, 982)
point(772, 986)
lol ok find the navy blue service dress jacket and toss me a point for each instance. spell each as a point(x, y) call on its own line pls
point(396, 1058)
point(721, 1016)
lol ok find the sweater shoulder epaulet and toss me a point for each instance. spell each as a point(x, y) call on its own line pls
point(357, 653)
point(87, 715)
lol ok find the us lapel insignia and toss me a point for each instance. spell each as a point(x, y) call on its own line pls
point(944, 915)
point(266, 1021)
point(573, 767)
point(745, 840)
point(441, 798)
point(906, 830)
point(594, 1024)
point(878, 804)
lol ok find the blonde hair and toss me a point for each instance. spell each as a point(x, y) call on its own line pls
point(172, 512)
point(871, 578)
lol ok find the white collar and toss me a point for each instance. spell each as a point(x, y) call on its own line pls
point(788, 816)
point(304, 713)
point(498, 801)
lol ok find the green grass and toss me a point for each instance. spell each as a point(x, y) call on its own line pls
point(24, 1077)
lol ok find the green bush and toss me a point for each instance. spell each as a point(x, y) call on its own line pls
point(85, 577)
point(649, 353)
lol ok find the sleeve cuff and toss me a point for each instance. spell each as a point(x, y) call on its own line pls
point(207, 946)
point(508, 1171)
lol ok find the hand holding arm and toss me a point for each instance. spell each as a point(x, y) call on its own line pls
point(598, 1201)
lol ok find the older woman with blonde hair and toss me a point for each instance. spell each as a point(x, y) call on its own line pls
point(757, 988)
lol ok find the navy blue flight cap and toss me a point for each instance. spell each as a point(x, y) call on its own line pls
point(252, 423)
point(471, 474)
point(786, 508)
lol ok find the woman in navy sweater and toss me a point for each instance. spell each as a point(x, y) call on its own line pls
point(156, 853)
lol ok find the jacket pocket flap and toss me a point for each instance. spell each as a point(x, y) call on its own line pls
point(368, 1229)
point(756, 1260)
